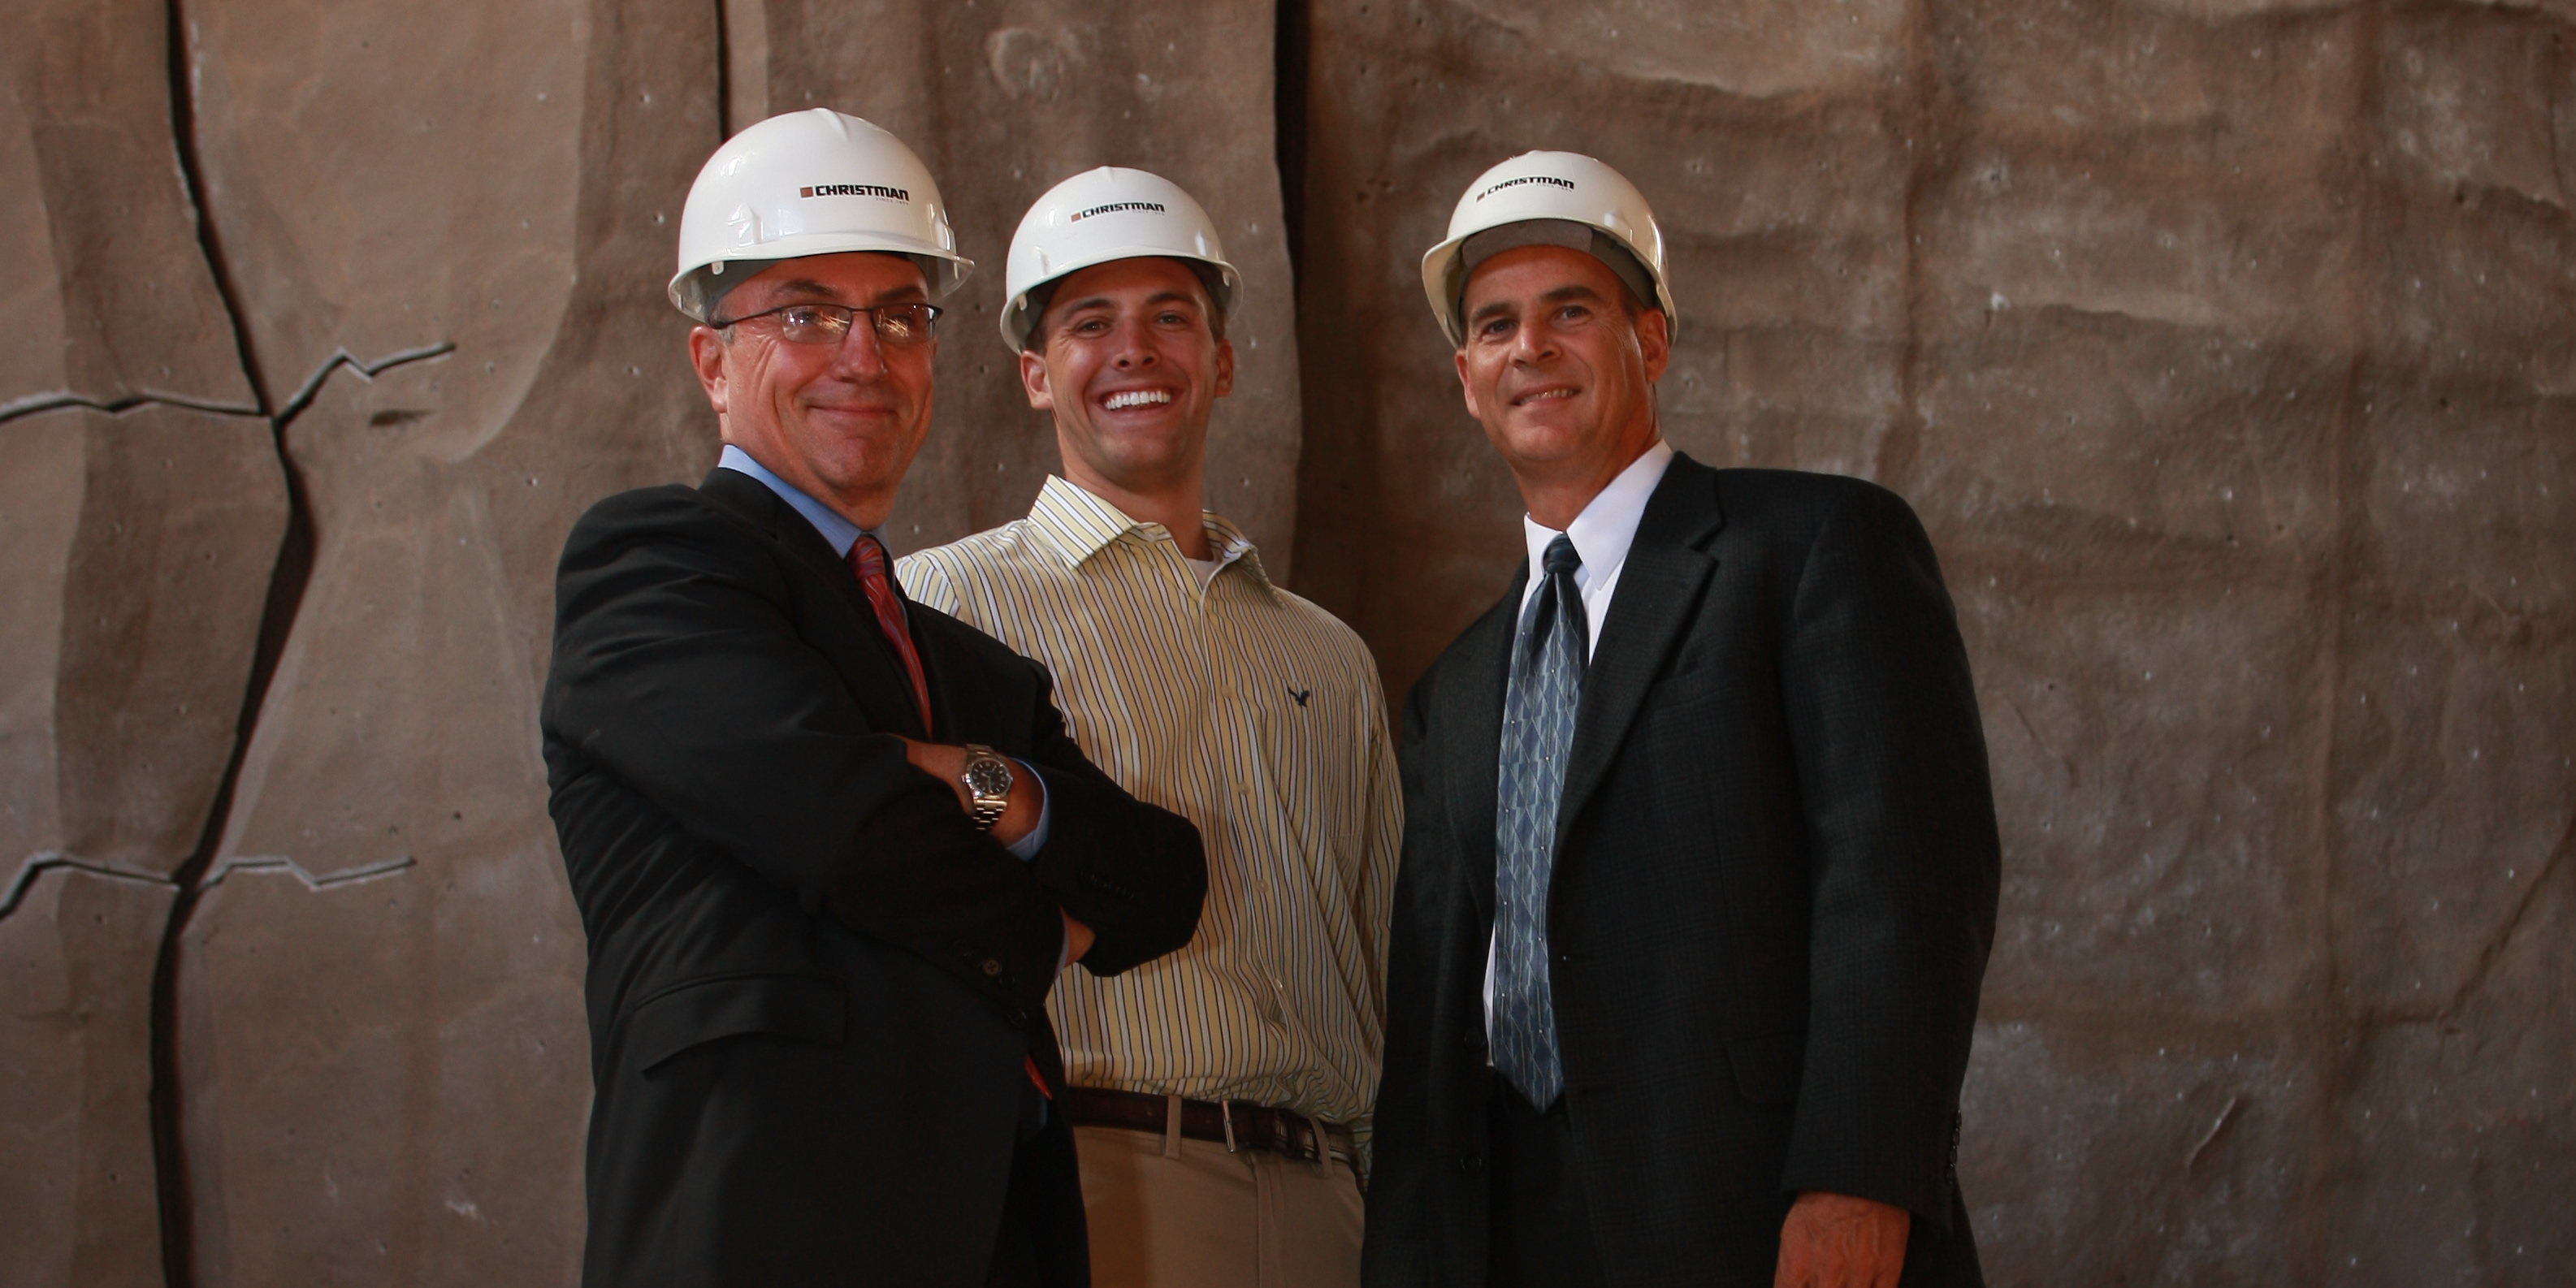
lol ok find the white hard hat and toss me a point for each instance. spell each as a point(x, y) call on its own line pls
point(816, 182)
point(1567, 199)
point(1101, 215)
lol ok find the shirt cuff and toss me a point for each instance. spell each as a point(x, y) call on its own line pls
point(1026, 848)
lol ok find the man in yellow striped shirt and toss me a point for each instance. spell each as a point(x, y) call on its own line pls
point(1218, 1094)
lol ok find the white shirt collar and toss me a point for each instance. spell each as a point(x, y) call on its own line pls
point(1607, 526)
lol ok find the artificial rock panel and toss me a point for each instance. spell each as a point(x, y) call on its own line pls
point(2140, 1152)
point(142, 541)
point(141, 509)
point(172, 519)
point(77, 1201)
point(459, 224)
point(1004, 100)
point(2454, 1153)
point(110, 299)
point(387, 1078)
point(2160, 782)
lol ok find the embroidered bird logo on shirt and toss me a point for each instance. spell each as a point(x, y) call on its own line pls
point(1301, 695)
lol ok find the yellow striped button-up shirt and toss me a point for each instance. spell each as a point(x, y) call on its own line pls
point(1258, 717)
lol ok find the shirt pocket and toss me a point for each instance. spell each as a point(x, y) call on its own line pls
point(804, 1008)
point(1312, 758)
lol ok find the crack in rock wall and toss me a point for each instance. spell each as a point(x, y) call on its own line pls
point(142, 507)
point(384, 1065)
point(2225, 349)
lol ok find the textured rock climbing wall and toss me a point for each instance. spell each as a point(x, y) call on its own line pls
point(141, 508)
point(450, 231)
point(2225, 349)
point(2226, 352)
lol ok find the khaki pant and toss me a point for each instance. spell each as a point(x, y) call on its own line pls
point(1210, 1219)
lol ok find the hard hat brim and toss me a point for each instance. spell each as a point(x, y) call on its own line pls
point(943, 270)
point(1442, 281)
point(1016, 323)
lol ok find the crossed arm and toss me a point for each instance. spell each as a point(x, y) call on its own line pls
point(680, 669)
point(947, 763)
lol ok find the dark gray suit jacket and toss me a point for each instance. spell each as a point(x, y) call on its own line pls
point(1773, 896)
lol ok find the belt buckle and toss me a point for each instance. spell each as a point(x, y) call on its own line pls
point(1225, 1110)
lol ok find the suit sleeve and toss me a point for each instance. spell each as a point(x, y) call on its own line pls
point(1134, 873)
point(677, 668)
point(1385, 820)
point(1402, 1197)
point(1904, 859)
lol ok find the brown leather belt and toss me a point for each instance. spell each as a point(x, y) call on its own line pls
point(1232, 1123)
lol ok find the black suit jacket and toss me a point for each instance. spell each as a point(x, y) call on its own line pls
point(1773, 893)
point(812, 982)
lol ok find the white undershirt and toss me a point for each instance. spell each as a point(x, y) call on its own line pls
point(1601, 534)
point(1206, 569)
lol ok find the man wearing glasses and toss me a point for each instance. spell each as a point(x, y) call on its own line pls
point(831, 848)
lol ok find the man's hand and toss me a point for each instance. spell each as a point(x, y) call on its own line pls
point(1836, 1241)
point(1077, 938)
point(948, 764)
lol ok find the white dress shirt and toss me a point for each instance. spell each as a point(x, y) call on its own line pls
point(1601, 534)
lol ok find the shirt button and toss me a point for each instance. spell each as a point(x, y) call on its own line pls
point(992, 968)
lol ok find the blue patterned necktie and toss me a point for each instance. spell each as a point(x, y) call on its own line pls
point(1548, 658)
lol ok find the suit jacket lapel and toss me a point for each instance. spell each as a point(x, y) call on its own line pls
point(1658, 594)
point(876, 676)
point(1473, 711)
point(945, 691)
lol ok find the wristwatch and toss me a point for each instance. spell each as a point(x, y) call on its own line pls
point(988, 785)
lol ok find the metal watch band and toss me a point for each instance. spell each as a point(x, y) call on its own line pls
point(988, 797)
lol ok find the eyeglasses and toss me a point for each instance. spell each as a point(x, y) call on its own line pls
point(898, 326)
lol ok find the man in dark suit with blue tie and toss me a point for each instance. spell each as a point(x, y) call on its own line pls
point(831, 848)
point(1700, 861)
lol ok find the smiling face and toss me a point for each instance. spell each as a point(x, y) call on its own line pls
point(1559, 367)
point(840, 421)
point(1131, 366)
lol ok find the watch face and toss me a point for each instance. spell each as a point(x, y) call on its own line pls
point(988, 776)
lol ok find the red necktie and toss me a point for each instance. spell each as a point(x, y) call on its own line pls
point(868, 560)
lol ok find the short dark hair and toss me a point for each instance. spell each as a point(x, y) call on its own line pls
point(1210, 282)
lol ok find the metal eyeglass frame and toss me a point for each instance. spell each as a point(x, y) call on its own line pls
point(849, 315)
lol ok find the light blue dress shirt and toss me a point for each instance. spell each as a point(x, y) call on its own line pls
point(837, 529)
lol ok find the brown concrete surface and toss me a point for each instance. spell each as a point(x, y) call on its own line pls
point(142, 523)
point(77, 1200)
point(381, 1041)
point(141, 510)
point(2226, 350)
point(111, 300)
